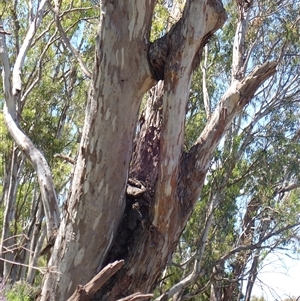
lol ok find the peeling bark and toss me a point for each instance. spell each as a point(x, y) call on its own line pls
point(158, 233)
point(145, 158)
point(121, 76)
point(153, 246)
point(130, 199)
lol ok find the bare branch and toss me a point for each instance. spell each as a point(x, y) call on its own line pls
point(259, 244)
point(67, 42)
point(137, 297)
point(65, 157)
point(41, 270)
point(86, 292)
point(17, 83)
point(236, 97)
point(11, 119)
point(39, 71)
point(2, 31)
point(289, 187)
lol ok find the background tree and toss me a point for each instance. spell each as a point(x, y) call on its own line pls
point(48, 112)
point(138, 174)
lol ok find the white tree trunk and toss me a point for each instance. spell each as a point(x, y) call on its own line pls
point(96, 203)
point(9, 204)
point(12, 96)
point(126, 66)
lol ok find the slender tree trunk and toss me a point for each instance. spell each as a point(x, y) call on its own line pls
point(37, 237)
point(215, 293)
point(12, 91)
point(9, 202)
point(252, 276)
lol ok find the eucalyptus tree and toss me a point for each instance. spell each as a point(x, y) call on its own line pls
point(134, 183)
point(43, 119)
point(245, 212)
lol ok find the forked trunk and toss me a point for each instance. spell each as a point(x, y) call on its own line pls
point(140, 219)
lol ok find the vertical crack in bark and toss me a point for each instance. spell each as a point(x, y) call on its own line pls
point(145, 158)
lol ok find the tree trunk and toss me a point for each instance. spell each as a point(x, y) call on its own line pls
point(12, 91)
point(9, 202)
point(121, 77)
point(104, 221)
point(37, 236)
point(97, 199)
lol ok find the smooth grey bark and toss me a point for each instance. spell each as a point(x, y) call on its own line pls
point(99, 180)
point(12, 88)
point(9, 203)
point(121, 76)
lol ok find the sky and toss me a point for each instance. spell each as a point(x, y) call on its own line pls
point(279, 278)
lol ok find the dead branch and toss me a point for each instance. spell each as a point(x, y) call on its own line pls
point(67, 42)
point(86, 292)
point(2, 31)
point(65, 157)
point(42, 270)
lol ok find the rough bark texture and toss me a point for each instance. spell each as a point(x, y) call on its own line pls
point(152, 248)
point(145, 158)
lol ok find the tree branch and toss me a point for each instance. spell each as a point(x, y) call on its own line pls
point(137, 297)
point(67, 42)
point(2, 31)
point(163, 49)
point(65, 157)
point(199, 21)
point(195, 165)
point(32, 153)
point(86, 292)
point(17, 83)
